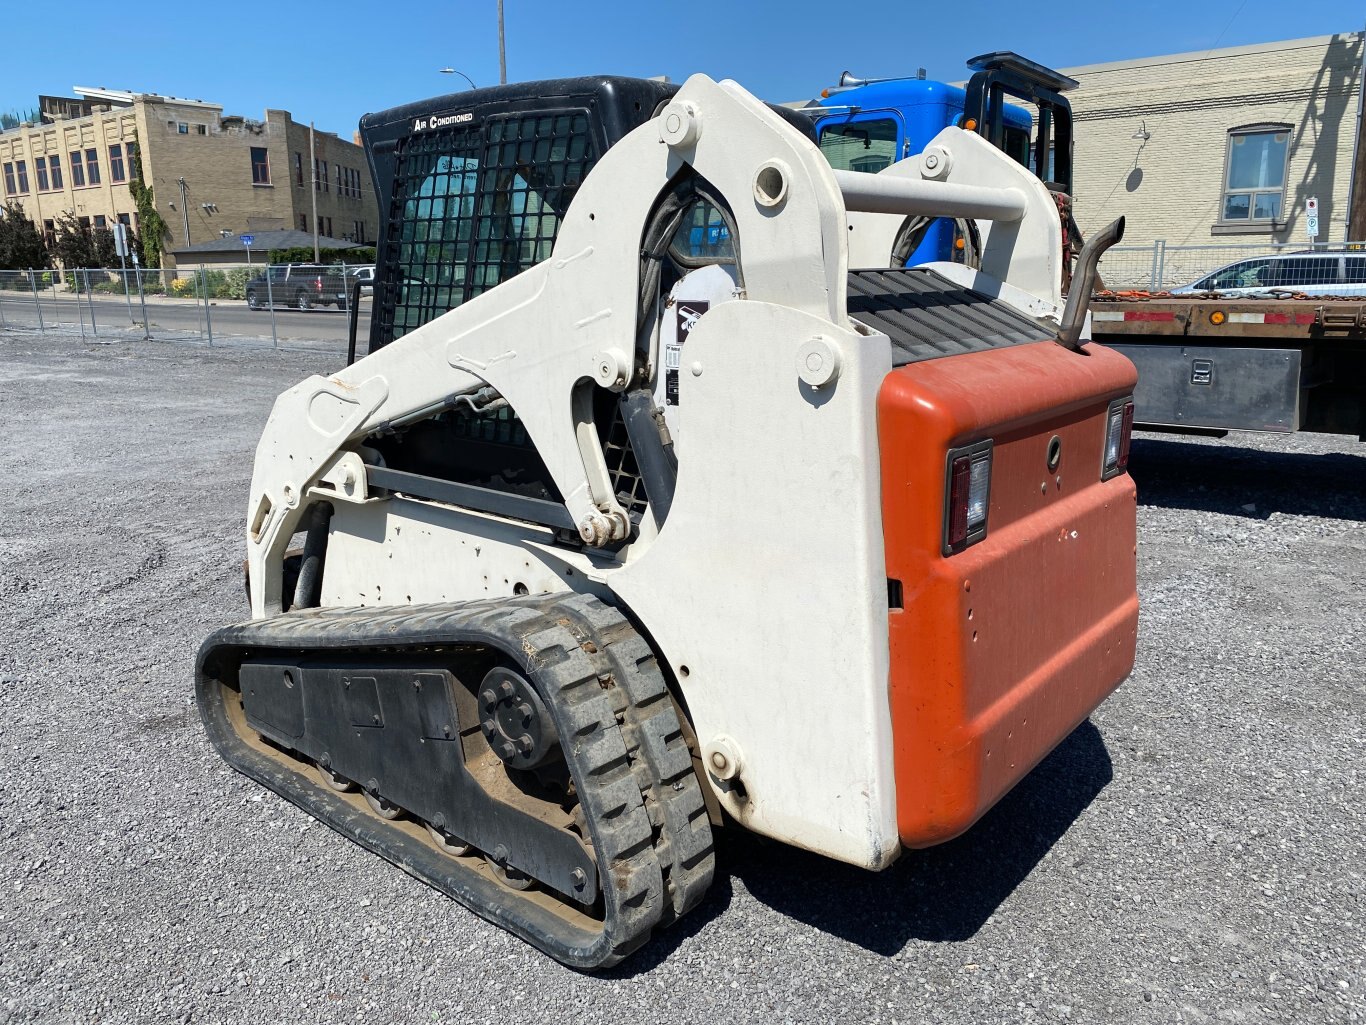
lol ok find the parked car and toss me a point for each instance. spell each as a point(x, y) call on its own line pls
point(1339, 272)
point(300, 285)
point(366, 277)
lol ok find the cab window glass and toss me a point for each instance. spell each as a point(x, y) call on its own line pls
point(860, 145)
point(702, 237)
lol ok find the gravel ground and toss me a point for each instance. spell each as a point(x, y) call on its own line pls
point(1193, 853)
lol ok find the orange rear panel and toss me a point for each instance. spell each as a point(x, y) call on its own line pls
point(1001, 650)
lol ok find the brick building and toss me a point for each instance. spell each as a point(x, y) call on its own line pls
point(1222, 146)
point(213, 175)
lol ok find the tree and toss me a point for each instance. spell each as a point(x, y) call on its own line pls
point(22, 246)
point(153, 227)
point(14, 118)
point(75, 245)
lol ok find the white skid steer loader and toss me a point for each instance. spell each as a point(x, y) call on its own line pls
point(661, 502)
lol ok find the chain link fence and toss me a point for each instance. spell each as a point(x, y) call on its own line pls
point(1337, 268)
point(279, 305)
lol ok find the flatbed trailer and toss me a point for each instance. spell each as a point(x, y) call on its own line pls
point(1209, 365)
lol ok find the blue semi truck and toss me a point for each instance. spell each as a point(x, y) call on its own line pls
point(865, 125)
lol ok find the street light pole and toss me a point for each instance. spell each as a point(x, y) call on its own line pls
point(313, 156)
point(453, 71)
point(502, 49)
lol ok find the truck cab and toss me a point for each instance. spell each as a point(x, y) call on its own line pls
point(868, 124)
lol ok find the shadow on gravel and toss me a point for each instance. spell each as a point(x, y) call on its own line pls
point(942, 894)
point(1224, 478)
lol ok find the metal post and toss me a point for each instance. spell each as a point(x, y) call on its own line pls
point(270, 301)
point(33, 284)
point(2, 314)
point(142, 301)
point(502, 49)
point(80, 314)
point(204, 284)
point(123, 273)
point(90, 298)
point(1152, 270)
point(313, 156)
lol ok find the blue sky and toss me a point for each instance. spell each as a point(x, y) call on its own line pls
point(333, 60)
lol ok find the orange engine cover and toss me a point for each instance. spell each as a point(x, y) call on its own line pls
point(1000, 651)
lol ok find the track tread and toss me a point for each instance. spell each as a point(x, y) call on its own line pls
point(661, 759)
point(614, 763)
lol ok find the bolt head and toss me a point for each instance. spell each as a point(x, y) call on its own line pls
point(526, 712)
point(524, 744)
point(489, 699)
point(505, 689)
point(506, 750)
point(578, 878)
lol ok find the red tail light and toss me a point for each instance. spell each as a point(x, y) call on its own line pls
point(1119, 429)
point(967, 496)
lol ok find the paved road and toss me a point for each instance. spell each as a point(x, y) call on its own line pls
point(178, 318)
point(1193, 853)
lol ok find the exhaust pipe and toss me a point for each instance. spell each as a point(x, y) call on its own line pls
point(1079, 298)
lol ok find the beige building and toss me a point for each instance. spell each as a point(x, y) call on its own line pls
point(1222, 146)
point(213, 175)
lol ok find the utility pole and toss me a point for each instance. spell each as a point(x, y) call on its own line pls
point(1356, 195)
point(502, 49)
point(313, 156)
point(185, 208)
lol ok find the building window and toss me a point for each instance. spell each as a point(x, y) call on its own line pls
point(358, 228)
point(116, 163)
point(1254, 179)
point(40, 166)
point(92, 166)
point(101, 221)
point(260, 166)
point(50, 232)
point(303, 222)
point(201, 129)
point(182, 128)
point(77, 170)
point(9, 180)
point(55, 163)
point(84, 222)
point(299, 169)
point(324, 175)
point(125, 220)
point(22, 168)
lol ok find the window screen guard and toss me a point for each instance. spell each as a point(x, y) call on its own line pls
point(475, 205)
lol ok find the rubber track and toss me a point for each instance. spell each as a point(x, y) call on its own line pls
point(535, 633)
point(660, 756)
